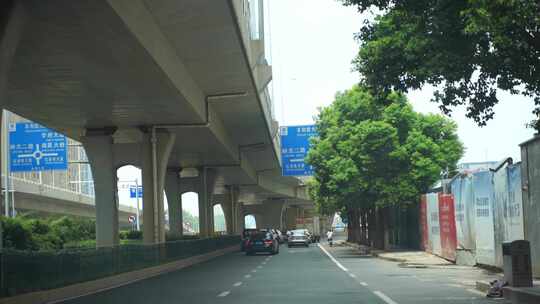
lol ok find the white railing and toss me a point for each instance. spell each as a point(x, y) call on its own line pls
point(51, 187)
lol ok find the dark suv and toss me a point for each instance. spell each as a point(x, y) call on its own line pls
point(263, 241)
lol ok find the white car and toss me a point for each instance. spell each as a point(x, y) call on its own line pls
point(299, 237)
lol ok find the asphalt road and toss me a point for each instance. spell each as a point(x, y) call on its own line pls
point(296, 275)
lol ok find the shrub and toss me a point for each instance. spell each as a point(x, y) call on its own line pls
point(24, 233)
point(134, 235)
point(16, 235)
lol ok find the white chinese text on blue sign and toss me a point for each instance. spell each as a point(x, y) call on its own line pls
point(294, 149)
point(33, 147)
point(133, 193)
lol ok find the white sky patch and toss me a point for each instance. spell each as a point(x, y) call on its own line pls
point(312, 49)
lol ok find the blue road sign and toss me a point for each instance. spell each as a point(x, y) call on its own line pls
point(33, 147)
point(133, 193)
point(294, 149)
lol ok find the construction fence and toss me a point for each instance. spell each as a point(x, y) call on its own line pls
point(482, 210)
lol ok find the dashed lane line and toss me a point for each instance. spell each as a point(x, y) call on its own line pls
point(247, 276)
point(476, 292)
point(380, 294)
point(254, 270)
point(384, 297)
point(352, 275)
point(224, 294)
point(237, 284)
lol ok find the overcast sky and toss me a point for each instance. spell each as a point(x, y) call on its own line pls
point(312, 47)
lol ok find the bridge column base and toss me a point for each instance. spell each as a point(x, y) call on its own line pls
point(207, 179)
point(174, 199)
point(99, 149)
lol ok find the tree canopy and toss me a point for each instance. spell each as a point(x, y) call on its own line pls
point(467, 49)
point(377, 154)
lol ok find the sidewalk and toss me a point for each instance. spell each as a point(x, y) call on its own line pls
point(469, 277)
point(406, 258)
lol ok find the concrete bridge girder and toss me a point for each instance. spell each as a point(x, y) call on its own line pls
point(148, 67)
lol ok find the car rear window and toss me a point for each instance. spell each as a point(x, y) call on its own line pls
point(259, 235)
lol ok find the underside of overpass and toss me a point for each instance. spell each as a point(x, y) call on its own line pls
point(177, 88)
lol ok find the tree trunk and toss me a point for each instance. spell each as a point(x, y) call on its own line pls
point(363, 227)
point(371, 229)
point(353, 226)
point(379, 241)
point(388, 232)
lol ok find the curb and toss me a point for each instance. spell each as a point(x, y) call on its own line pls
point(377, 255)
point(482, 286)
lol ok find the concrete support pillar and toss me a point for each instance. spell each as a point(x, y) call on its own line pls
point(238, 216)
point(174, 199)
point(98, 145)
point(268, 214)
point(156, 149)
point(291, 213)
point(206, 209)
point(228, 209)
point(14, 17)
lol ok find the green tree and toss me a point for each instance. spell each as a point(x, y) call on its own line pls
point(466, 48)
point(372, 155)
point(193, 220)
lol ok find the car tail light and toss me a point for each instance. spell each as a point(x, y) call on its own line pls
point(268, 242)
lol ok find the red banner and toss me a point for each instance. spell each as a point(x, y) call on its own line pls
point(447, 223)
point(423, 224)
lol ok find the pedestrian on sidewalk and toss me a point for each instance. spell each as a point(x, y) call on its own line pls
point(329, 236)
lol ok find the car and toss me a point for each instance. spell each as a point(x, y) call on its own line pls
point(298, 237)
point(262, 241)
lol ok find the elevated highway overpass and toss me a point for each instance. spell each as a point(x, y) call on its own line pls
point(176, 88)
point(33, 196)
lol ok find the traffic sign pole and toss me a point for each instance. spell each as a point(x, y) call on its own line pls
point(137, 195)
point(6, 166)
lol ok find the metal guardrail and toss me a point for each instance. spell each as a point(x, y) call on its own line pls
point(27, 271)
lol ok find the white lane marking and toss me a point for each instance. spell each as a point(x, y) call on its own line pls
point(259, 266)
point(264, 263)
point(254, 270)
point(476, 292)
point(455, 285)
point(247, 276)
point(363, 283)
point(237, 284)
point(384, 297)
point(224, 294)
point(352, 275)
point(332, 258)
